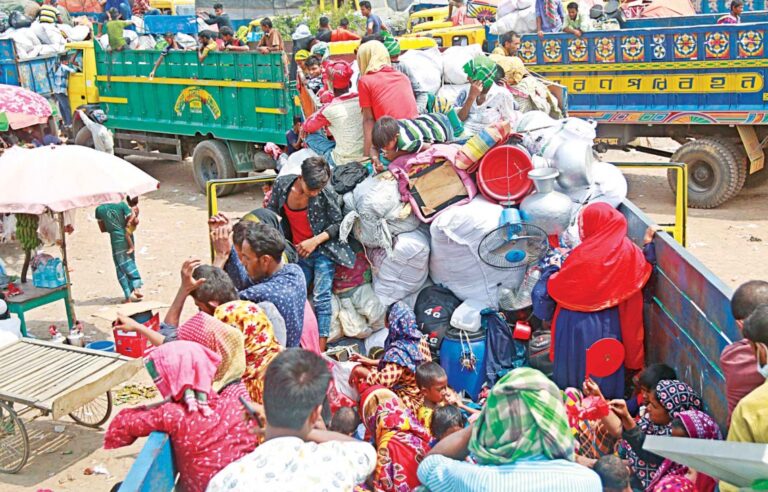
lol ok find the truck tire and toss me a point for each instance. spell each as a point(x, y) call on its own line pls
point(83, 137)
point(211, 160)
point(716, 171)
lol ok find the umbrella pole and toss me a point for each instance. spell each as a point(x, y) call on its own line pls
point(65, 264)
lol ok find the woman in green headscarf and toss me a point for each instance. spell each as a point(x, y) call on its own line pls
point(486, 101)
point(521, 437)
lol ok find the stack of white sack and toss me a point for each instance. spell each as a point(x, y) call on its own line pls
point(454, 262)
point(404, 271)
point(378, 214)
point(454, 59)
point(426, 66)
point(515, 16)
point(357, 313)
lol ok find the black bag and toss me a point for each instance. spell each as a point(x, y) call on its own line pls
point(502, 352)
point(434, 307)
point(18, 20)
point(346, 177)
point(538, 352)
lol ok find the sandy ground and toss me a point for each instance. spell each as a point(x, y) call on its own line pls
point(731, 241)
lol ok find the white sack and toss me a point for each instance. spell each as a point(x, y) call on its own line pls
point(186, 41)
point(40, 33)
point(403, 272)
point(451, 92)
point(426, 66)
point(79, 33)
point(379, 213)
point(54, 35)
point(454, 262)
point(454, 59)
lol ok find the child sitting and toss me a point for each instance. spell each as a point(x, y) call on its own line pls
point(433, 384)
point(646, 382)
point(399, 137)
point(314, 74)
point(445, 421)
point(345, 421)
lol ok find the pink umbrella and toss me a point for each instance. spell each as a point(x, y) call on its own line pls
point(23, 107)
point(60, 178)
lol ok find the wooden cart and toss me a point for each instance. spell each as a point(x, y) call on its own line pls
point(57, 380)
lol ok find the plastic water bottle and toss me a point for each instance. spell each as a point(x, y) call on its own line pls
point(522, 297)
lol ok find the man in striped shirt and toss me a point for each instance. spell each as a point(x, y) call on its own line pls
point(399, 137)
point(48, 14)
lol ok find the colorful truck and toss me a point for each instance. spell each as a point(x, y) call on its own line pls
point(689, 79)
point(219, 111)
point(687, 319)
point(35, 74)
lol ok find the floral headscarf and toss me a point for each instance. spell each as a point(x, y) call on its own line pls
point(402, 344)
point(261, 347)
point(524, 416)
point(221, 338)
point(401, 441)
point(183, 372)
point(698, 425)
point(675, 396)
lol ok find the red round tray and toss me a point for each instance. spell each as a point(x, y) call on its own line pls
point(503, 174)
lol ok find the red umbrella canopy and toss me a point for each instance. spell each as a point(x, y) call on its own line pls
point(23, 107)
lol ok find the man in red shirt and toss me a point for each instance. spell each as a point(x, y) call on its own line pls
point(383, 91)
point(738, 360)
point(342, 33)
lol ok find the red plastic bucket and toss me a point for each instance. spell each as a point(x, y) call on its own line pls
point(503, 174)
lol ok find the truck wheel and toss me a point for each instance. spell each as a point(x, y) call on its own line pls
point(84, 137)
point(211, 160)
point(716, 171)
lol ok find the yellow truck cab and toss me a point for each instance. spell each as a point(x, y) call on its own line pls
point(453, 36)
point(174, 7)
point(427, 19)
point(82, 85)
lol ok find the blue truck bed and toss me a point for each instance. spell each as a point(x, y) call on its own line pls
point(704, 74)
point(35, 74)
point(687, 318)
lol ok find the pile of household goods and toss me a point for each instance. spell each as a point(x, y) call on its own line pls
point(459, 233)
point(33, 38)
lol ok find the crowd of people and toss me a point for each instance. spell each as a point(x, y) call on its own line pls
point(258, 345)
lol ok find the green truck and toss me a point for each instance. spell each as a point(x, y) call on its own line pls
point(221, 111)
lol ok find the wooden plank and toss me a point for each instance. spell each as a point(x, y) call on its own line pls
point(31, 292)
point(32, 372)
point(694, 323)
point(51, 392)
point(24, 354)
point(23, 362)
point(670, 347)
point(66, 368)
point(90, 387)
point(153, 470)
point(11, 352)
point(81, 350)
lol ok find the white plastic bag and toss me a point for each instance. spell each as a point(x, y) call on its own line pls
point(353, 324)
point(451, 92)
point(40, 32)
point(379, 213)
point(79, 33)
point(369, 306)
point(186, 41)
point(426, 66)
point(336, 331)
point(505, 24)
point(454, 59)
point(293, 164)
point(102, 137)
point(54, 35)
point(403, 272)
point(7, 228)
point(454, 262)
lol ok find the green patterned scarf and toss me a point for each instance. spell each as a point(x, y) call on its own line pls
point(523, 417)
point(392, 44)
point(481, 68)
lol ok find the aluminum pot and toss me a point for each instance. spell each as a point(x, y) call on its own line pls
point(574, 158)
point(547, 208)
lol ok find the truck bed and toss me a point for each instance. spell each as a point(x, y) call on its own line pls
point(35, 74)
point(230, 96)
point(685, 75)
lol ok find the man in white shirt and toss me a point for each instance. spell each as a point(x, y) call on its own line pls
point(295, 455)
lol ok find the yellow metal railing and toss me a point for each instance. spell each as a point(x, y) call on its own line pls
point(679, 227)
point(212, 194)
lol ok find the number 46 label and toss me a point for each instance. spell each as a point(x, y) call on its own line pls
point(435, 312)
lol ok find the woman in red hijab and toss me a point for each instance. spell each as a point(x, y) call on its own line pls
point(596, 294)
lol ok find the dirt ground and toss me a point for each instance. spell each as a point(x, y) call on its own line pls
point(731, 241)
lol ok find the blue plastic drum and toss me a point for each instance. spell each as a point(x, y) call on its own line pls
point(464, 362)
